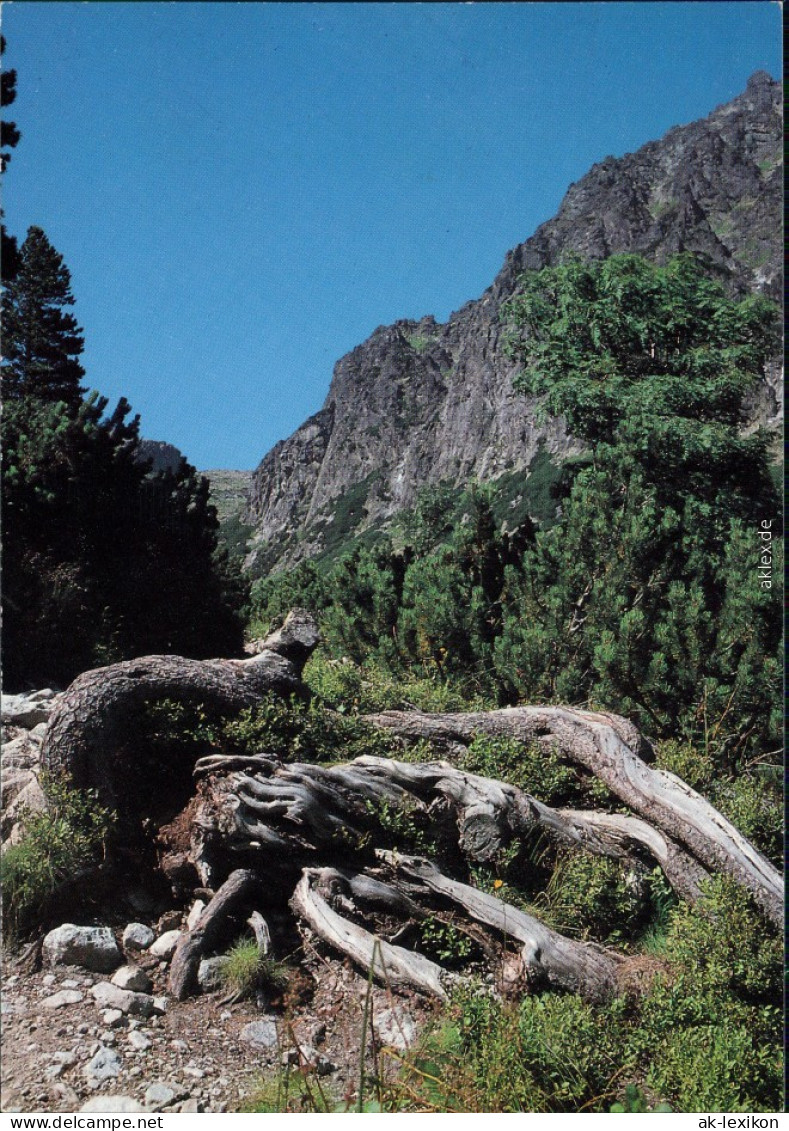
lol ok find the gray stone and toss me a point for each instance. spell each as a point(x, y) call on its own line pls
point(112, 1018)
point(30, 799)
point(165, 945)
point(137, 936)
point(27, 710)
point(91, 947)
point(260, 1034)
point(61, 998)
point(104, 1065)
point(67, 1057)
point(198, 907)
point(139, 1041)
point(191, 1106)
point(132, 978)
point(120, 1105)
point(12, 783)
point(160, 1005)
point(170, 921)
point(159, 1095)
point(21, 753)
point(209, 973)
point(127, 1001)
point(395, 1028)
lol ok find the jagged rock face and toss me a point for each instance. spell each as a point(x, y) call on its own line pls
point(163, 456)
point(423, 402)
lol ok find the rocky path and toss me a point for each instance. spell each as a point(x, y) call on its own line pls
point(92, 1027)
point(66, 1044)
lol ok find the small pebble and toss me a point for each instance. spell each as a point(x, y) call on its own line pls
point(139, 1041)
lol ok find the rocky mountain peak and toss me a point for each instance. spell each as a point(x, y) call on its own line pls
point(422, 402)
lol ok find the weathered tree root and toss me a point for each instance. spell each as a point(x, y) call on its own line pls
point(390, 964)
point(316, 828)
point(208, 931)
point(611, 748)
point(99, 712)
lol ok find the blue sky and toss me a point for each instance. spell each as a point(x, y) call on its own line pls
point(244, 191)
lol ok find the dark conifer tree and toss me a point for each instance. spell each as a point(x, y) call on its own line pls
point(42, 341)
point(9, 137)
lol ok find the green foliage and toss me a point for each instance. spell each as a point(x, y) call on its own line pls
point(596, 897)
point(539, 772)
point(519, 496)
point(711, 1030)
point(348, 512)
point(634, 1102)
point(551, 1053)
point(645, 597)
point(41, 339)
point(705, 1036)
point(288, 729)
point(245, 971)
point(101, 554)
point(442, 941)
point(419, 342)
point(623, 339)
point(404, 828)
point(59, 845)
point(234, 535)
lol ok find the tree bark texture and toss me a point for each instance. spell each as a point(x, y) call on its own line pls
point(260, 824)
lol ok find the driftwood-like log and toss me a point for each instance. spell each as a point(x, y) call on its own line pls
point(612, 749)
point(548, 957)
point(208, 931)
point(319, 828)
point(261, 932)
point(392, 965)
point(100, 710)
point(316, 807)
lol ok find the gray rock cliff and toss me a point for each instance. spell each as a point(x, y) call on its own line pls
point(422, 402)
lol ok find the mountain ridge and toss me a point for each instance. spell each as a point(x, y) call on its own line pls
point(422, 402)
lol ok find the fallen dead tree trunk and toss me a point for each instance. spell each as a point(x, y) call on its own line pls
point(392, 965)
point(611, 748)
point(317, 835)
point(100, 710)
point(208, 931)
point(318, 808)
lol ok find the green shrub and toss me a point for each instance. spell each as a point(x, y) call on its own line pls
point(550, 1053)
point(66, 839)
point(245, 971)
point(530, 767)
point(347, 687)
point(755, 808)
point(696, 768)
point(710, 1031)
point(288, 729)
point(444, 943)
point(597, 897)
